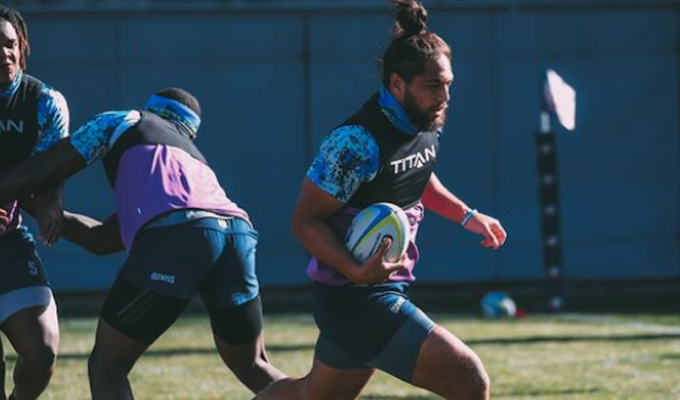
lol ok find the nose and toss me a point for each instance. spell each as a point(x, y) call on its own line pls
point(7, 53)
point(444, 95)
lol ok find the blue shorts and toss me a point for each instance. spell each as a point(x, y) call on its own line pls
point(369, 327)
point(23, 281)
point(210, 256)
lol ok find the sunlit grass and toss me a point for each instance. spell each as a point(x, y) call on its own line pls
point(575, 357)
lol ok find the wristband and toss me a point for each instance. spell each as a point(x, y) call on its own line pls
point(468, 216)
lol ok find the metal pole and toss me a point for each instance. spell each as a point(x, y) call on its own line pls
point(549, 202)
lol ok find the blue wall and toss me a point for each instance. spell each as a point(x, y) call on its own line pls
point(272, 83)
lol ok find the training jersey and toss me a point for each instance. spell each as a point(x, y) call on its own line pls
point(359, 167)
point(153, 167)
point(33, 117)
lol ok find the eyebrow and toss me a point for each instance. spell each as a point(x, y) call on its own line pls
point(437, 80)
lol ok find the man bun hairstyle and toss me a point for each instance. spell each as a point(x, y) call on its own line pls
point(14, 18)
point(412, 46)
point(410, 18)
point(182, 96)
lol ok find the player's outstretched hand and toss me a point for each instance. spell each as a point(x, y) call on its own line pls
point(376, 269)
point(48, 213)
point(50, 223)
point(490, 228)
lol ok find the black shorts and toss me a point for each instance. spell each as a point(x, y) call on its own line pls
point(23, 281)
point(169, 265)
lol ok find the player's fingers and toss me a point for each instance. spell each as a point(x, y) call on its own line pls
point(45, 235)
point(499, 233)
point(50, 238)
point(385, 245)
point(50, 232)
point(393, 268)
point(491, 239)
point(379, 255)
point(56, 232)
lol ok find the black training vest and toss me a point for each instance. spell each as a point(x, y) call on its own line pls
point(19, 122)
point(151, 129)
point(406, 161)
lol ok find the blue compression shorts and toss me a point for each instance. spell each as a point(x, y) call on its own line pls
point(373, 326)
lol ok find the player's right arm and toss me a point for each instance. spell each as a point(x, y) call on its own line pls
point(347, 158)
point(100, 238)
point(43, 170)
point(310, 226)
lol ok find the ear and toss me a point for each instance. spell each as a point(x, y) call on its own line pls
point(397, 86)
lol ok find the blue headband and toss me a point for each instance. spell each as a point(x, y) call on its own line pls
point(175, 110)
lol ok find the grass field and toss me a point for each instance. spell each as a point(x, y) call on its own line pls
point(570, 356)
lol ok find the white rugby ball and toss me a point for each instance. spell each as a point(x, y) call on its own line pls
point(372, 225)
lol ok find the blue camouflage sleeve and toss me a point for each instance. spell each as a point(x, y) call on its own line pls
point(53, 118)
point(93, 138)
point(348, 157)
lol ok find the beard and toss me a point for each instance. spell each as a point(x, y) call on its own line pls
point(7, 73)
point(423, 120)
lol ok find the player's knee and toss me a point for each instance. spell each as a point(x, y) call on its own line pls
point(94, 368)
point(237, 325)
point(99, 370)
point(40, 360)
point(481, 384)
point(474, 385)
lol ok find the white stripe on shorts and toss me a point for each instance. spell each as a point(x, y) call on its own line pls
point(20, 299)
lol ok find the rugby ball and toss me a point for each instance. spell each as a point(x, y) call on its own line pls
point(372, 225)
point(498, 305)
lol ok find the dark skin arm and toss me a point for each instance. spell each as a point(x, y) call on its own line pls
point(310, 226)
point(47, 210)
point(43, 170)
point(100, 238)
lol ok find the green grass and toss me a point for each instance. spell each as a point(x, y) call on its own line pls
point(574, 356)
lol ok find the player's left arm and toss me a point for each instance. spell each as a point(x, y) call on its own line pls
point(440, 200)
point(53, 125)
point(99, 238)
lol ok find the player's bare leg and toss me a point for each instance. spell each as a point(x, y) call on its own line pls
point(448, 367)
point(250, 363)
point(110, 363)
point(34, 334)
point(322, 382)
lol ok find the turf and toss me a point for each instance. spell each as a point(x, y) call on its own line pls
point(580, 356)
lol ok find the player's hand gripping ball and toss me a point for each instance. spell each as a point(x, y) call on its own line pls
point(375, 223)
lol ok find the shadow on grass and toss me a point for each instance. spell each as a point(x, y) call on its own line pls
point(556, 392)
point(569, 339)
point(178, 352)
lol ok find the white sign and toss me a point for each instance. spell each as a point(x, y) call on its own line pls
point(561, 99)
